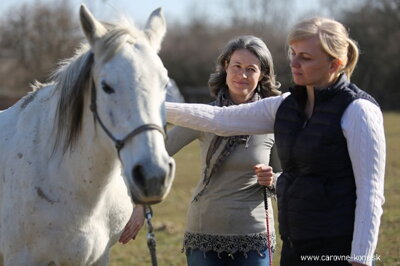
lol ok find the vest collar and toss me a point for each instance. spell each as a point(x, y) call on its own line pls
point(300, 92)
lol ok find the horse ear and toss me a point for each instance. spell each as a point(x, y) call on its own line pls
point(156, 28)
point(92, 28)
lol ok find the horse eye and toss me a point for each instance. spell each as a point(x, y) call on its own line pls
point(107, 89)
point(170, 83)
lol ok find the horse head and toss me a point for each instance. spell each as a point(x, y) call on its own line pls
point(127, 99)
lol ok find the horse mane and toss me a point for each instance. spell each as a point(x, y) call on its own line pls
point(73, 80)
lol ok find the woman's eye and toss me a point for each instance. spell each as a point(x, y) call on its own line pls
point(107, 89)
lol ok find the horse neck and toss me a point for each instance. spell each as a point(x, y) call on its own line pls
point(93, 161)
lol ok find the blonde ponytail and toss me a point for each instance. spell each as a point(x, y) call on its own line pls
point(352, 58)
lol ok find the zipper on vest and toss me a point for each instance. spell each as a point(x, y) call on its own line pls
point(307, 119)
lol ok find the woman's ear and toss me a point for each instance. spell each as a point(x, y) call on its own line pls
point(226, 65)
point(336, 65)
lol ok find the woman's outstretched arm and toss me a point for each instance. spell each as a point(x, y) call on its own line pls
point(247, 119)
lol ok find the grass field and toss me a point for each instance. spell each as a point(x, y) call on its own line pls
point(170, 216)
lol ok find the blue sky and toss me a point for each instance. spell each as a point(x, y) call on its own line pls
point(182, 10)
point(139, 10)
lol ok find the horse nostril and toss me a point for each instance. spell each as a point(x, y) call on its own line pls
point(138, 176)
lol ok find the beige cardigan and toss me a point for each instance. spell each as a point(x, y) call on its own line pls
point(230, 215)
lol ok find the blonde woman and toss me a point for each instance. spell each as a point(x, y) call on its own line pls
point(330, 140)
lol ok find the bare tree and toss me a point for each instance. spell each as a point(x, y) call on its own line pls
point(376, 27)
point(33, 37)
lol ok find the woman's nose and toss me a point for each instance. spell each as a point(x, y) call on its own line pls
point(242, 72)
point(294, 62)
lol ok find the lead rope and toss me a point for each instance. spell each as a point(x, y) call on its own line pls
point(151, 239)
point(268, 233)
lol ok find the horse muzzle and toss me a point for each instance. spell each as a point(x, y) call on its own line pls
point(151, 181)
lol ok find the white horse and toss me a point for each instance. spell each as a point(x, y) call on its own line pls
point(62, 198)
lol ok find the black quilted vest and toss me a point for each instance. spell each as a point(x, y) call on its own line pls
point(316, 192)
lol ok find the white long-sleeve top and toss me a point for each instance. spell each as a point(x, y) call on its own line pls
point(362, 125)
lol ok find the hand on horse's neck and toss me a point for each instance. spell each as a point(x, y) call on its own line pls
point(309, 108)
